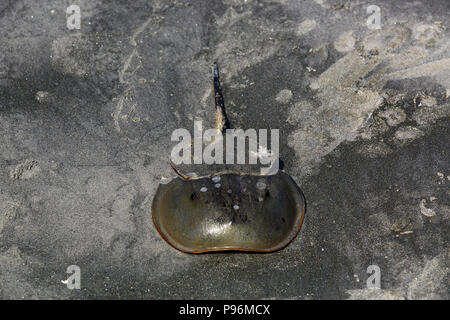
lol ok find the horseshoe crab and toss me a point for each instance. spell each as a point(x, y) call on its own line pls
point(228, 211)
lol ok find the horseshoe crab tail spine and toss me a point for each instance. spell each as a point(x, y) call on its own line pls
point(221, 118)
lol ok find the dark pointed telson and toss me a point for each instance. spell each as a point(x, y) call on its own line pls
point(221, 117)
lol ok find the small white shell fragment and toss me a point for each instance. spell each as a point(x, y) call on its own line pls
point(426, 211)
point(236, 207)
point(203, 189)
point(215, 179)
point(217, 185)
point(262, 152)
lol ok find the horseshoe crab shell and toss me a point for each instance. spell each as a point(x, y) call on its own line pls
point(229, 211)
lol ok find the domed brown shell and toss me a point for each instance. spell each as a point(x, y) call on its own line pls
point(229, 211)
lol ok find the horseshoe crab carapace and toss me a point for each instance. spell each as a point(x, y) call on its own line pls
point(229, 211)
